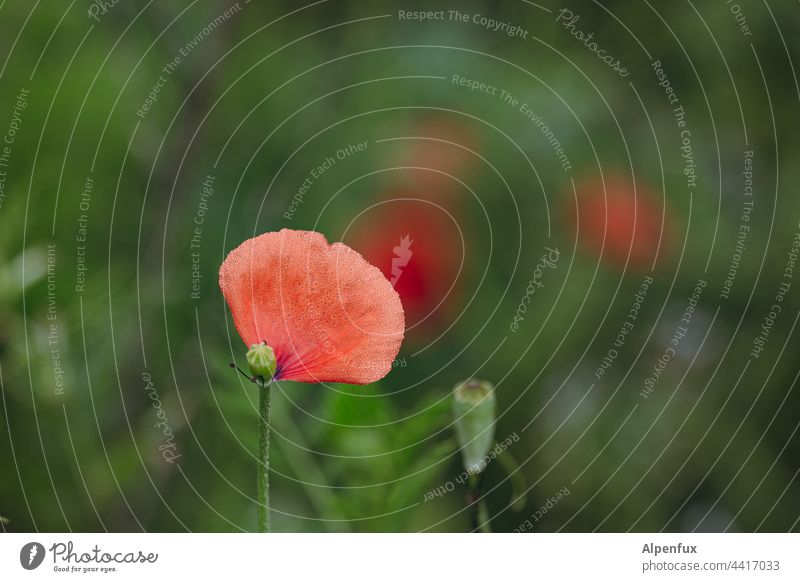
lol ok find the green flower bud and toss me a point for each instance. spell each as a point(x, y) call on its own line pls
point(261, 360)
point(474, 415)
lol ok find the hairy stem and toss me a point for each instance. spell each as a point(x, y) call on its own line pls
point(263, 456)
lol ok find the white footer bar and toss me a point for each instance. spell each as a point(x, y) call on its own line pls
point(401, 557)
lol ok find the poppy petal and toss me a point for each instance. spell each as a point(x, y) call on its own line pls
point(326, 312)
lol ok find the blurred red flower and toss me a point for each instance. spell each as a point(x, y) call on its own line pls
point(413, 233)
point(328, 315)
point(418, 246)
point(627, 223)
point(441, 147)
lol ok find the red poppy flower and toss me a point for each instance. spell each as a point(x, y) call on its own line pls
point(418, 246)
point(328, 315)
point(627, 223)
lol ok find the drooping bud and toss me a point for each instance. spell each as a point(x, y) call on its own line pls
point(474, 416)
point(261, 361)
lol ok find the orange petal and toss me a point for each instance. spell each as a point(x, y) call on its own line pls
point(327, 313)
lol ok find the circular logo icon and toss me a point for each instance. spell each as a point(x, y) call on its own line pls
point(31, 555)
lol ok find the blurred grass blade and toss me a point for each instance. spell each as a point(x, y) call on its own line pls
point(518, 481)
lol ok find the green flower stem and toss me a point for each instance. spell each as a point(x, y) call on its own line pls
point(483, 517)
point(263, 455)
point(480, 511)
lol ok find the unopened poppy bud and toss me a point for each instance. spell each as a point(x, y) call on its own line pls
point(474, 415)
point(261, 360)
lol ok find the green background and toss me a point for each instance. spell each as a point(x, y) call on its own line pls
point(264, 98)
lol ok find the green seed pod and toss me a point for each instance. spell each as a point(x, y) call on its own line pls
point(261, 360)
point(474, 416)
